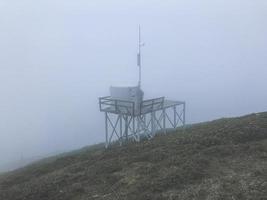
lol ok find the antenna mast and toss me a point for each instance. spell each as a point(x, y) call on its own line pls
point(139, 61)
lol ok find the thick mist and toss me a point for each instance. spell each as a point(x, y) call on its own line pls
point(57, 57)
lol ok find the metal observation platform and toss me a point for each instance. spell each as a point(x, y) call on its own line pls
point(127, 120)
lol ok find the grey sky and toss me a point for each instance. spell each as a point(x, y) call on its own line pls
point(58, 56)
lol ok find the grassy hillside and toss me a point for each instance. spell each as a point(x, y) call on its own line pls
point(224, 159)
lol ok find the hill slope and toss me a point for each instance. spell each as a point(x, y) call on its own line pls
point(223, 159)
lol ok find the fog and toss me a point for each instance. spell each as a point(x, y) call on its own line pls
point(58, 56)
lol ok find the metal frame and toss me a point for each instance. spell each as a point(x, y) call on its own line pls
point(123, 122)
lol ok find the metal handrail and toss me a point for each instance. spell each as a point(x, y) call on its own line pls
point(129, 106)
point(153, 101)
point(117, 103)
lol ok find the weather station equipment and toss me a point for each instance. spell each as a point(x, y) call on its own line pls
point(129, 117)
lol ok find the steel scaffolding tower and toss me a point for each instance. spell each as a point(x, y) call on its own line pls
point(123, 122)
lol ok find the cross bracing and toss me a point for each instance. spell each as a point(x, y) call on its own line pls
point(124, 121)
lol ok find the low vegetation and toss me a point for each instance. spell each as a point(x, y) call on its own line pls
point(224, 159)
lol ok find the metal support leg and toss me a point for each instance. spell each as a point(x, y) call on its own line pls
point(106, 128)
point(153, 123)
point(164, 121)
point(138, 125)
point(121, 130)
point(184, 114)
point(145, 119)
point(138, 131)
point(133, 127)
point(126, 128)
point(174, 119)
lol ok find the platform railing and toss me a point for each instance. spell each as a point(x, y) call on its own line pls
point(108, 104)
point(118, 106)
point(150, 105)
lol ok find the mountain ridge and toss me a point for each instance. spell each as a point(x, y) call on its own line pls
point(221, 159)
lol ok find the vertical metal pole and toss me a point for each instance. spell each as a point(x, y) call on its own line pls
point(139, 57)
point(175, 120)
point(152, 123)
point(126, 128)
point(133, 126)
point(138, 124)
point(120, 129)
point(138, 131)
point(164, 120)
point(144, 119)
point(155, 123)
point(106, 128)
point(184, 114)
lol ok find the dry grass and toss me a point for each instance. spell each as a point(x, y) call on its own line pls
point(221, 160)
